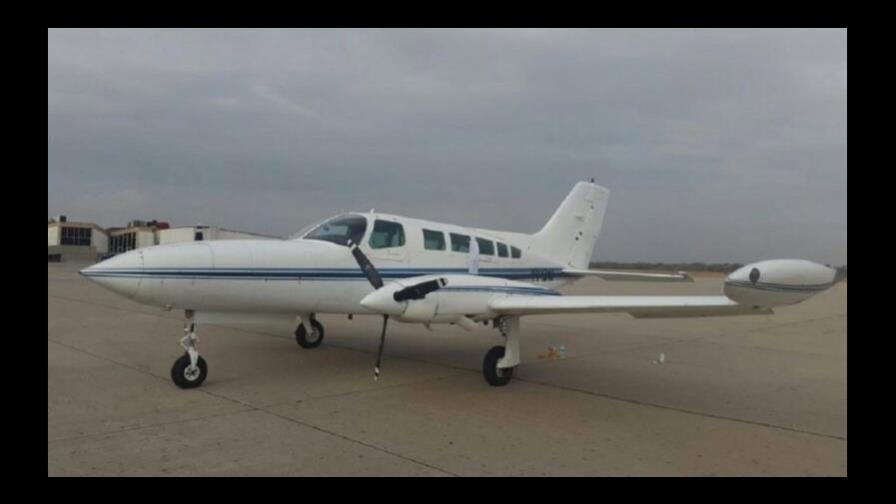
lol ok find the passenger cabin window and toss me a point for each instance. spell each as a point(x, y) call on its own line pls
point(340, 230)
point(502, 250)
point(515, 252)
point(486, 247)
point(386, 235)
point(460, 243)
point(433, 240)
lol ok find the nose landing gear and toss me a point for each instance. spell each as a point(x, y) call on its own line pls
point(190, 369)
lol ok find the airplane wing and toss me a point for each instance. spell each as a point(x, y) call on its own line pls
point(629, 276)
point(637, 306)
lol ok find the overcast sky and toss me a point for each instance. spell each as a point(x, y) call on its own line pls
point(716, 145)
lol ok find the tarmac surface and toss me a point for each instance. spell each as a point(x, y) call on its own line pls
point(749, 395)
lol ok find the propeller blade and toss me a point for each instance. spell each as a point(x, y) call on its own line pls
point(373, 276)
point(379, 353)
point(418, 291)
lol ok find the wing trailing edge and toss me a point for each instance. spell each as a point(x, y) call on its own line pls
point(637, 306)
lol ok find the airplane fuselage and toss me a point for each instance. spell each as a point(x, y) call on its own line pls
point(306, 275)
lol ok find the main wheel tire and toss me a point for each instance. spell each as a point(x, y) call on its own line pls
point(495, 376)
point(316, 336)
point(184, 377)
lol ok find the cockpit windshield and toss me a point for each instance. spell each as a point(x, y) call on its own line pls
point(340, 230)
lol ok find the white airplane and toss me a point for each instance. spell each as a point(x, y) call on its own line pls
point(420, 271)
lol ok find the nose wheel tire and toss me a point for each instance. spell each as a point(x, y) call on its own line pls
point(186, 375)
point(312, 340)
point(494, 375)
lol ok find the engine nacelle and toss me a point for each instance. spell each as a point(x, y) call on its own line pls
point(458, 296)
point(421, 310)
point(778, 282)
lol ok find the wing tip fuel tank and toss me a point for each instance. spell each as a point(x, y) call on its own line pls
point(778, 282)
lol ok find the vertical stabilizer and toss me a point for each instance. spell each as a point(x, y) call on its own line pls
point(571, 233)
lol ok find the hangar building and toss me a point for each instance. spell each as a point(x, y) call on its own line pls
point(86, 241)
point(83, 241)
point(202, 233)
point(137, 234)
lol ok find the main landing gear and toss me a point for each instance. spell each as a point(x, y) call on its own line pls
point(501, 361)
point(498, 366)
point(312, 339)
point(190, 370)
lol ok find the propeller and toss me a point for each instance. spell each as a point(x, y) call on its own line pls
point(379, 353)
point(417, 291)
point(373, 276)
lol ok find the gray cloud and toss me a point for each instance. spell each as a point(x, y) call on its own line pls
point(717, 145)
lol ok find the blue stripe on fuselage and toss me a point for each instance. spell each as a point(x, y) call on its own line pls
point(341, 274)
point(313, 273)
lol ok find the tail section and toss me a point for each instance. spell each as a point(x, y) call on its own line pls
point(571, 233)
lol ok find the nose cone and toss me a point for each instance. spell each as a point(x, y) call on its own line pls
point(120, 274)
point(381, 301)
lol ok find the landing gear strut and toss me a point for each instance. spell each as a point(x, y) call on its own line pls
point(501, 361)
point(190, 370)
point(316, 336)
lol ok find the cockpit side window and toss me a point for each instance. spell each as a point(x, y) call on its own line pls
point(386, 235)
point(460, 243)
point(340, 230)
